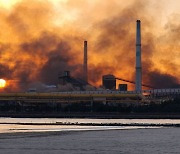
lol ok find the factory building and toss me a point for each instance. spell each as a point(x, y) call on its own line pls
point(123, 87)
point(77, 83)
point(109, 82)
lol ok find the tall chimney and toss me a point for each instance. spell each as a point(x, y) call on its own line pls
point(85, 69)
point(138, 58)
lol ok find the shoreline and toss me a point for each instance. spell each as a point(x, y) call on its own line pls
point(95, 124)
point(67, 132)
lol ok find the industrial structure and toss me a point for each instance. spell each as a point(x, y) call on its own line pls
point(85, 65)
point(123, 87)
point(109, 82)
point(138, 58)
point(75, 83)
point(78, 92)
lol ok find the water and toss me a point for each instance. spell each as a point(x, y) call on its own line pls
point(54, 139)
point(136, 141)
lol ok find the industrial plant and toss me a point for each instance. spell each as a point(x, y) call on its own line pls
point(77, 94)
point(108, 80)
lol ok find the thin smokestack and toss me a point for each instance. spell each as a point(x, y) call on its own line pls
point(85, 69)
point(138, 58)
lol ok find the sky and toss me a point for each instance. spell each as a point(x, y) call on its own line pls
point(40, 39)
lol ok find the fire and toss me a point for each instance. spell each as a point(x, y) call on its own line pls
point(2, 83)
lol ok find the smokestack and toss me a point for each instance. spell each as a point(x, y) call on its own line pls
point(85, 69)
point(138, 58)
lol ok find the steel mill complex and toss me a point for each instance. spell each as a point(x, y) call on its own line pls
point(72, 91)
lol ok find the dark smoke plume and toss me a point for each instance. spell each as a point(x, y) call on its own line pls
point(39, 43)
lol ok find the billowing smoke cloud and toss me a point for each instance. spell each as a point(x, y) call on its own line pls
point(38, 42)
point(163, 80)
